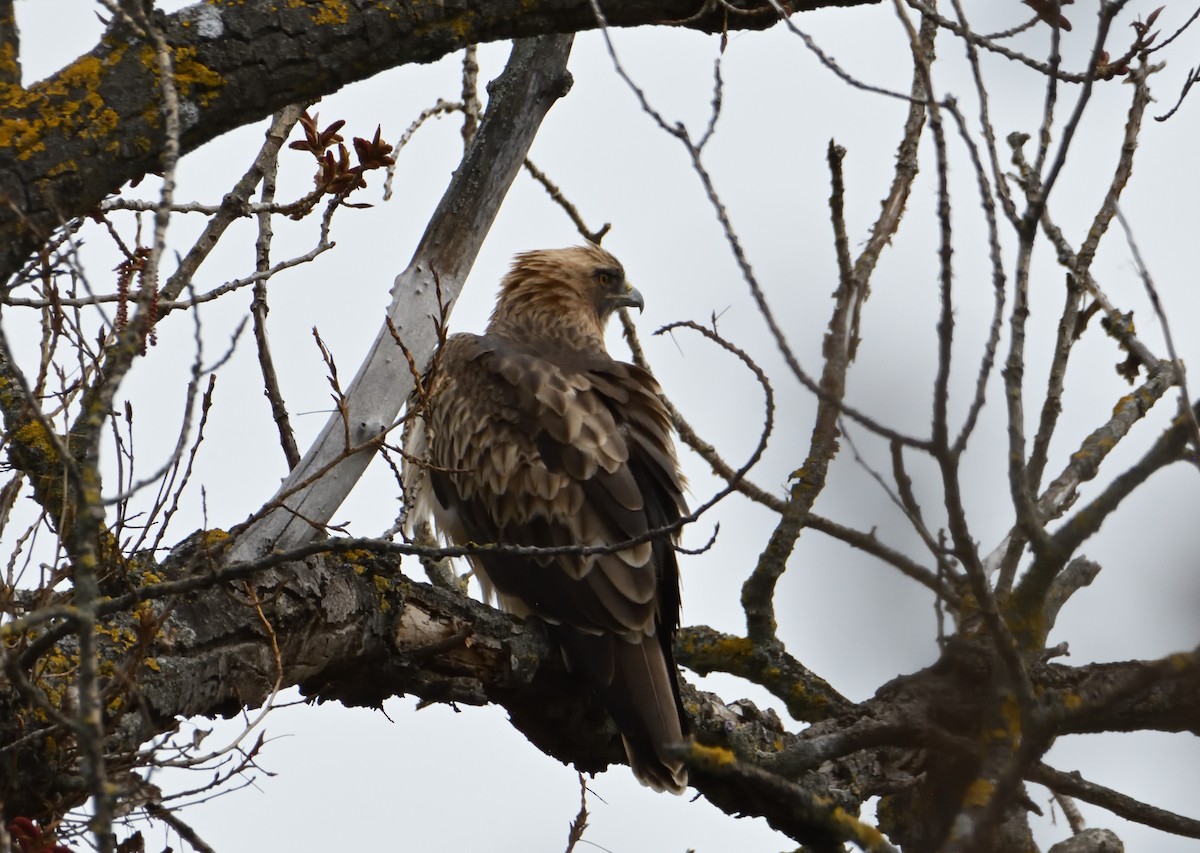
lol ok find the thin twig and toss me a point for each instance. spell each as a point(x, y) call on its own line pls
point(680, 132)
point(186, 832)
point(284, 121)
point(1151, 291)
point(561, 200)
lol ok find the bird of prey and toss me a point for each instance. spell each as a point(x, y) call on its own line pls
point(536, 436)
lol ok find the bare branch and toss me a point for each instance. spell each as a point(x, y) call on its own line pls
point(281, 127)
point(1151, 291)
point(1119, 804)
point(533, 81)
point(811, 819)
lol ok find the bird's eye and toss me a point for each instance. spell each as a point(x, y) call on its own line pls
point(608, 278)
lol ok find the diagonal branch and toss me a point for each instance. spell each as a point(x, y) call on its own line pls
point(1031, 592)
point(1120, 804)
point(533, 80)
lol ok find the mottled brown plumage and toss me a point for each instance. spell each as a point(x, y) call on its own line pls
point(536, 436)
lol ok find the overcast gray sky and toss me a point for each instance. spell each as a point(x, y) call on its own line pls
point(439, 780)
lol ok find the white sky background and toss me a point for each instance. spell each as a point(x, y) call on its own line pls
point(439, 780)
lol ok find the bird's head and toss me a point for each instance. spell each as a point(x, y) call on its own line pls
point(578, 288)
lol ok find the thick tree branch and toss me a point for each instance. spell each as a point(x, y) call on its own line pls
point(70, 140)
point(349, 627)
point(808, 697)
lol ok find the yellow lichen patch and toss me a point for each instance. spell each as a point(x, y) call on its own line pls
point(151, 663)
point(734, 646)
point(209, 542)
point(84, 71)
point(42, 464)
point(110, 551)
point(727, 647)
point(23, 135)
point(1029, 629)
point(854, 828)
point(34, 436)
point(190, 74)
point(62, 168)
point(1009, 732)
point(812, 703)
point(462, 25)
point(8, 60)
point(102, 120)
point(68, 103)
point(978, 794)
point(152, 116)
point(357, 559)
point(1181, 661)
point(54, 676)
point(331, 12)
point(383, 587)
point(193, 79)
point(213, 537)
point(1072, 701)
point(713, 756)
point(121, 639)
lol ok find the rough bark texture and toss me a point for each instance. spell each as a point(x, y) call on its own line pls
point(68, 141)
point(351, 628)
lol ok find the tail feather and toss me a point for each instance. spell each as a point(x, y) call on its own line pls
point(637, 682)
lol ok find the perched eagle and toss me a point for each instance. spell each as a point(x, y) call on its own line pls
point(536, 436)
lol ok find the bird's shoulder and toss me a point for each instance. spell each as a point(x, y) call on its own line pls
point(503, 404)
point(547, 378)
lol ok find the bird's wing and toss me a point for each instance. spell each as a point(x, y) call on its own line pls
point(561, 449)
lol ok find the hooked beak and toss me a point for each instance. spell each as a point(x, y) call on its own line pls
point(631, 298)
